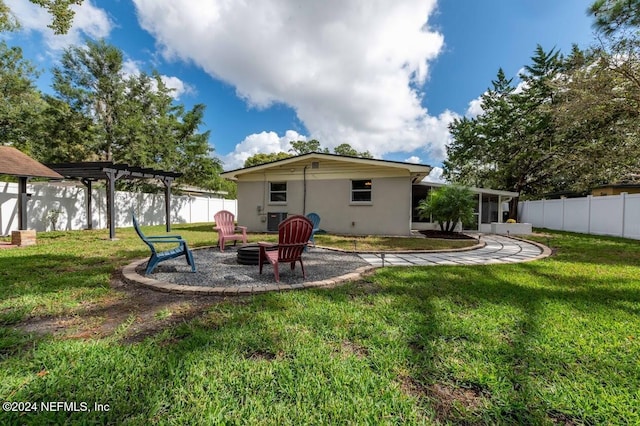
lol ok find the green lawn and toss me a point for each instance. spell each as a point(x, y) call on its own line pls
point(552, 341)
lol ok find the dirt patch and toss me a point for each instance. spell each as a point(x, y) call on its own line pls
point(432, 233)
point(132, 312)
point(348, 348)
point(450, 403)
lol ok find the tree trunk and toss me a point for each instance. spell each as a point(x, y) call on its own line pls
point(513, 208)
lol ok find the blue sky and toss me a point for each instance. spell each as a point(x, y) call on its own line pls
point(385, 76)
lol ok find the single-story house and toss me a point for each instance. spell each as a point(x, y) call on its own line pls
point(356, 196)
point(616, 189)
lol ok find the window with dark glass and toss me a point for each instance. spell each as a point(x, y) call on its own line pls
point(361, 190)
point(278, 192)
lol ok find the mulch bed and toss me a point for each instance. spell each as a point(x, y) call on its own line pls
point(432, 233)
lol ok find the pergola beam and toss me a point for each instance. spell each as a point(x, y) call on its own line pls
point(105, 170)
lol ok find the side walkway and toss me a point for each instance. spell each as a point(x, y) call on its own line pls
point(498, 249)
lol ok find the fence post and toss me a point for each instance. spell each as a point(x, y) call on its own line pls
point(562, 226)
point(589, 214)
point(623, 198)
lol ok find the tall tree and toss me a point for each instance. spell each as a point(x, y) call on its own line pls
point(91, 81)
point(348, 150)
point(261, 158)
point(21, 105)
point(304, 147)
point(60, 10)
point(597, 113)
point(135, 119)
point(512, 145)
point(65, 135)
point(612, 16)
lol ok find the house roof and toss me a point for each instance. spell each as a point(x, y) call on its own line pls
point(417, 171)
point(474, 189)
point(16, 163)
point(618, 185)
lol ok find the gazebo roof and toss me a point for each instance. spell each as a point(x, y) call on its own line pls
point(97, 170)
point(16, 163)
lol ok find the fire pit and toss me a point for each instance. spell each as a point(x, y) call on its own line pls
point(249, 254)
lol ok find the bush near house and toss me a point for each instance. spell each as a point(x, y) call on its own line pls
point(448, 205)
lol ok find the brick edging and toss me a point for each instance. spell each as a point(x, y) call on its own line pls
point(546, 251)
point(130, 275)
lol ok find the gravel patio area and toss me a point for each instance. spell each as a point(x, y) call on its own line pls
point(216, 269)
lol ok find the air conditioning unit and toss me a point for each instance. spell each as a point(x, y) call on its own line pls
point(274, 219)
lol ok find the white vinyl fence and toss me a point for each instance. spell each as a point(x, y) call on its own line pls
point(617, 215)
point(70, 200)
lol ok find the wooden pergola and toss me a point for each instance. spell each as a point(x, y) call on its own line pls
point(89, 172)
point(16, 163)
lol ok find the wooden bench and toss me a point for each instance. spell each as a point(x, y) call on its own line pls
point(159, 256)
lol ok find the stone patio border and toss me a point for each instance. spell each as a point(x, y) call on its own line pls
point(131, 276)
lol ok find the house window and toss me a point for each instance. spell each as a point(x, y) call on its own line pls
point(361, 191)
point(278, 192)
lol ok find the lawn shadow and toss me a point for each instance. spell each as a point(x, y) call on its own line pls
point(422, 291)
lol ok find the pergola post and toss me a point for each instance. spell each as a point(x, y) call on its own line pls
point(112, 176)
point(22, 203)
point(87, 184)
point(167, 200)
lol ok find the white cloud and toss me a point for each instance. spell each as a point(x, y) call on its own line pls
point(179, 87)
point(413, 159)
point(88, 21)
point(435, 176)
point(264, 142)
point(475, 108)
point(131, 68)
point(351, 69)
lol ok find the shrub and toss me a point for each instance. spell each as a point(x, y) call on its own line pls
point(448, 206)
point(511, 221)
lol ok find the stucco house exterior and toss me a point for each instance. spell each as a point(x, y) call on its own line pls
point(353, 196)
point(356, 196)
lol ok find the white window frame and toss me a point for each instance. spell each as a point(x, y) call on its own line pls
point(361, 191)
point(272, 192)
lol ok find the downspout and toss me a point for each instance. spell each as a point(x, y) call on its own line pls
point(304, 191)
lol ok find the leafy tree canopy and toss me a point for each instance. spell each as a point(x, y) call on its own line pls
point(60, 11)
point(614, 15)
point(130, 119)
point(21, 105)
point(304, 147)
point(261, 158)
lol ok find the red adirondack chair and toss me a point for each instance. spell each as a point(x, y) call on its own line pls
point(293, 237)
point(227, 229)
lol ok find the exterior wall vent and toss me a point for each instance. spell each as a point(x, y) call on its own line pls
point(315, 165)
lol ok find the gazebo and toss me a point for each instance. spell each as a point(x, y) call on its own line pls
point(16, 163)
point(89, 172)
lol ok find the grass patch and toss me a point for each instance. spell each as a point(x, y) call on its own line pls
point(374, 243)
point(552, 341)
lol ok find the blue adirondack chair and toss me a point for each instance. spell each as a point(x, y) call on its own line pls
point(158, 256)
point(315, 220)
